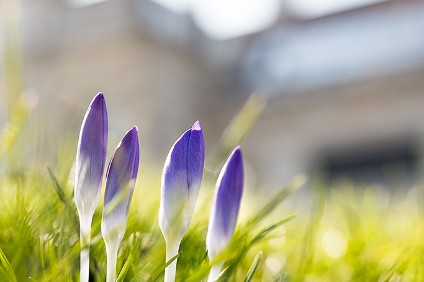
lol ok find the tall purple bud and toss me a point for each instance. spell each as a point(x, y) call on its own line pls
point(120, 181)
point(225, 208)
point(181, 180)
point(90, 162)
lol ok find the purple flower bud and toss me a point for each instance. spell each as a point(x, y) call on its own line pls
point(181, 180)
point(226, 204)
point(120, 181)
point(91, 154)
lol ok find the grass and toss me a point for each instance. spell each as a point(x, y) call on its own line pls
point(343, 233)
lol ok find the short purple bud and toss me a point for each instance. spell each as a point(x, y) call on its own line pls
point(226, 204)
point(120, 181)
point(181, 180)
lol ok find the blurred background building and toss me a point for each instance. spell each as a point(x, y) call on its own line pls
point(344, 79)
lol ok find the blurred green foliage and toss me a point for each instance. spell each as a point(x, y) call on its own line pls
point(347, 234)
point(39, 224)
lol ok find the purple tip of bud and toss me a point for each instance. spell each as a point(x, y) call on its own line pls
point(226, 203)
point(91, 154)
point(184, 165)
point(195, 156)
point(120, 178)
point(181, 177)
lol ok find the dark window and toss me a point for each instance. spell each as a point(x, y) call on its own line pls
point(392, 166)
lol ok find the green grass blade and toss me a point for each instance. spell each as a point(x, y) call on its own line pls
point(128, 263)
point(125, 268)
point(6, 268)
point(271, 228)
point(13, 127)
point(253, 267)
point(238, 129)
point(65, 200)
point(295, 184)
point(160, 271)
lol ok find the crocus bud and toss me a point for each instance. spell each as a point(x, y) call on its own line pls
point(90, 163)
point(91, 154)
point(225, 208)
point(181, 180)
point(120, 181)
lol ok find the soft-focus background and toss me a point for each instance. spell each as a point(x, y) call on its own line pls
point(338, 95)
point(343, 79)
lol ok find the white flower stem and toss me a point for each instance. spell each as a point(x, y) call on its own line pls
point(171, 269)
point(215, 271)
point(112, 256)
point(85, 230)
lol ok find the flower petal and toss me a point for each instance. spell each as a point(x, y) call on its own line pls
point(226, 203)
point(91, 154)
point(120, 182)
point(181, 180)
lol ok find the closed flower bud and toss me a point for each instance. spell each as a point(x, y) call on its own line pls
point(91, 155)
point(90, 163)
point(181, 180)
point(225, 208)
point(120, 181)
